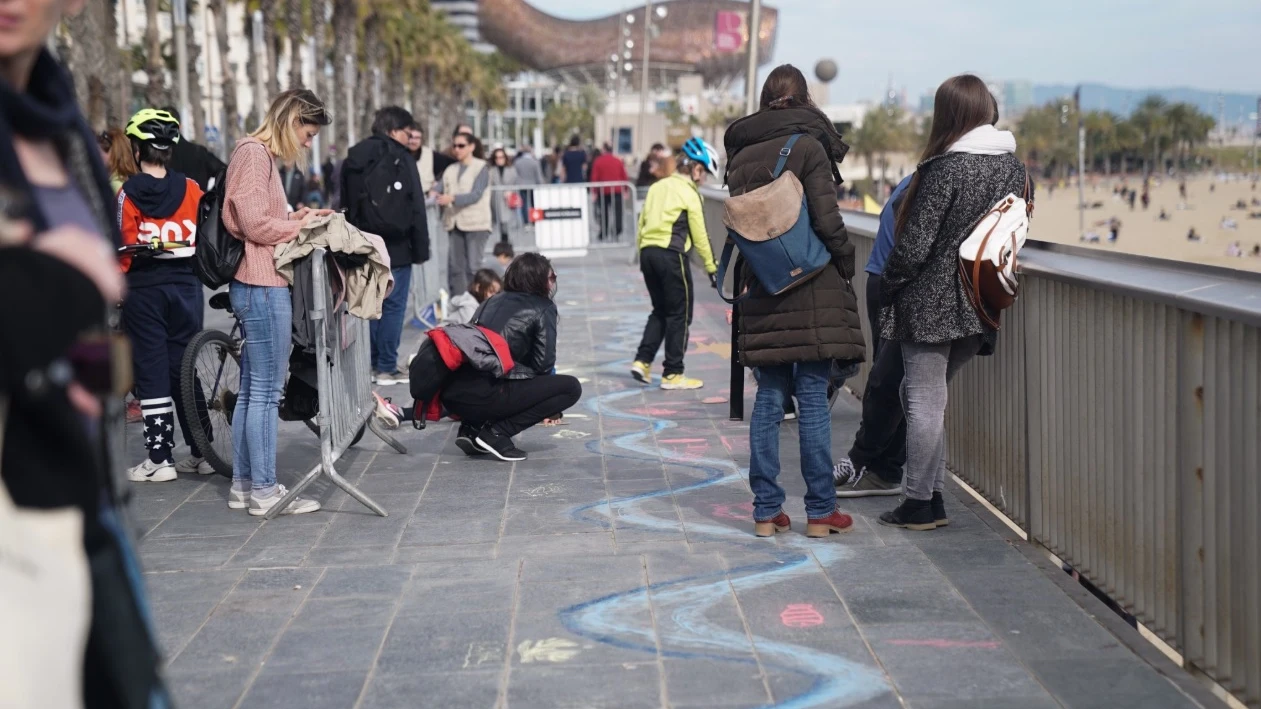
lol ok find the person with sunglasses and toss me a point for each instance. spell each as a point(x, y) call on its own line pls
point(464, 196)
point(492, 410)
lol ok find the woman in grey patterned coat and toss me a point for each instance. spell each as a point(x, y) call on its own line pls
point(967, 167)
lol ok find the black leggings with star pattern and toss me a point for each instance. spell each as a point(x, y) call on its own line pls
point(160, 320)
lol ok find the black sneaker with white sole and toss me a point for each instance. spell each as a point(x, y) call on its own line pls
point(466, 440)
point(499, 446)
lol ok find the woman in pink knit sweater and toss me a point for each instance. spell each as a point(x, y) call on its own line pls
point(256, 212)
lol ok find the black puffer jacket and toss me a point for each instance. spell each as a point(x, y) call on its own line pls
point(528, 323)
point(818, 320)
point(921, 290)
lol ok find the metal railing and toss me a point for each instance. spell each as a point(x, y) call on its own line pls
point(344, 381)
point(1118, 423)
point(565, 219)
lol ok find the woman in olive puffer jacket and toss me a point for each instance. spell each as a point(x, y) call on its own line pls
point(792, 339)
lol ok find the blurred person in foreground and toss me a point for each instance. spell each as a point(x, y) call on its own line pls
point(84, 641)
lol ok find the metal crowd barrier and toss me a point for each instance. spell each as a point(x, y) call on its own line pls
point(344, 380)
point(565, 220)
point(1118, 424)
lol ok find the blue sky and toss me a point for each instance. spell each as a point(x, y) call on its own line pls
point(1204, 44)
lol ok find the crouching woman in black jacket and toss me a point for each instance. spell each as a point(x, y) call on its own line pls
point(494, 410)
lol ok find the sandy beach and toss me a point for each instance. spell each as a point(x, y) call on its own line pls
point(1208, 201)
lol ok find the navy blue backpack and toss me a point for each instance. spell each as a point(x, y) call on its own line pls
point(771, 227)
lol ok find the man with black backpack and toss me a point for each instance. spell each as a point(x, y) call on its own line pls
point(381, 194)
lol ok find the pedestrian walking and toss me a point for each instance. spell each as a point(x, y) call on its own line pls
point(968, 166)
point(382, 195)
point(163, 309)
point(609, 168)
point(572, 165)
point(529, 172)
point(491, 410)
point(502, 174)
point(255, 212)
point(793, 339)
point(671, 224)
point(465, 202)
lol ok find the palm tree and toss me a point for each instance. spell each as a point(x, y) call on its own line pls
point(155, 93)
point(231, 114)
point(1101, 138)
point(94, 60)
point(345, 19)
point(293, 27)
point(1151, 121)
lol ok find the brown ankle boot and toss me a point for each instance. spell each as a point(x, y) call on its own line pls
point(778, 523)
point(823, 526)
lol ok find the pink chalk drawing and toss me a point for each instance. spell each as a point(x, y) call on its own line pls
point(948, 644)
point(742, 511)
point(735, 443)
point(714, 400)
point(800, 615)
point(653, 411)
point(681, 440)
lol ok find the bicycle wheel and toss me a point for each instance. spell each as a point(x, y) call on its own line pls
point(210, 378)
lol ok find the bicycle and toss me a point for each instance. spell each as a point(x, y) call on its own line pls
point(210, 382)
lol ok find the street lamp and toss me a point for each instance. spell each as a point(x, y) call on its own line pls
point(180, 10)
point(648, 30)
point(750, 79)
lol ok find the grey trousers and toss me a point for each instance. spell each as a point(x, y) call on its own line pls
point(464, 258)
point(928, 369)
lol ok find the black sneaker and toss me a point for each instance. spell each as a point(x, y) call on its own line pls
point(499, 446)
point(466, 440)
point(939, 510)
point(915, 515)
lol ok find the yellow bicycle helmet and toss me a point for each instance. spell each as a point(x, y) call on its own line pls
point(154, 126)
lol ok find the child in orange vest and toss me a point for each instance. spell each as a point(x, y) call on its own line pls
point(163, 308)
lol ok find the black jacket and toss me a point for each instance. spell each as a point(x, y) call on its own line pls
point(921, 290)
point(409, 244)
point(528, 323)
point(196, 162)
point(817, 320)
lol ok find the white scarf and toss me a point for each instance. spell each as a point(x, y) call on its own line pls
point(985, 140)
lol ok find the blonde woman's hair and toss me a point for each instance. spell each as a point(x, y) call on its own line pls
point(279, 130)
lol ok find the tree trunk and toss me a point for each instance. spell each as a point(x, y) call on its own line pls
point(293, 21)
point(268, 8)
point(197, 110)
point(373, 54)
point(88, 56)
point(323, 85)
point(345, 18)
point(155, 91)
point(230, 130)
point(395, 85)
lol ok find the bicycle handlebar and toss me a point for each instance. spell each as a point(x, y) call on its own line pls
point(153, 245)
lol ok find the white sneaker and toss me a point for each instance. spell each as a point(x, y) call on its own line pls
point(151, 472)
point(238, 499)
point(260, 506)
point(194, 465)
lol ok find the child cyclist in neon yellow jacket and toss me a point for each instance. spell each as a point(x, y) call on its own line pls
point(671, 224)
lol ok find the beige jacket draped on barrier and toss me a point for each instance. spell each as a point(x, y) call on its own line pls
point(366, 286)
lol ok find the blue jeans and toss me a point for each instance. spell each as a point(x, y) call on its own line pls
point(808, 381)
point(266, 317)
point(388, 331)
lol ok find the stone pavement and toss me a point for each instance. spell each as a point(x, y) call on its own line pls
point(615, 568)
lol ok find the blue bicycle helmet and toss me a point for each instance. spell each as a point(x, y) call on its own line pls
point(697, 150)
